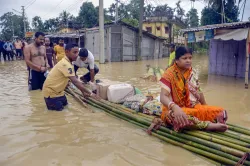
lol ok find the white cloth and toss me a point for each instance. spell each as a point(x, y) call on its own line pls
point(90, 61)
point(238, 34)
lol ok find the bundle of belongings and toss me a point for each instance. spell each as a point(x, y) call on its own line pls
point(128, 95)
point(145, 104)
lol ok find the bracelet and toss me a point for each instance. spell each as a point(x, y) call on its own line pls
point(170, 103)
point(171, 106)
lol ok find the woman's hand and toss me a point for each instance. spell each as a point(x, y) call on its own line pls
point(180, 118)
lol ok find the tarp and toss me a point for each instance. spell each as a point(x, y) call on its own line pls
point(238, 34)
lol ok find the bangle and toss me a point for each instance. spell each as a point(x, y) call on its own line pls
point(171, 106)
point(170, 103)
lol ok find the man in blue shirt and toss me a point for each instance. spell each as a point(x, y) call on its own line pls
point(1, 48)
point(8, 46)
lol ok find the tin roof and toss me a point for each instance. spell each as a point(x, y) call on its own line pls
point(218, 26)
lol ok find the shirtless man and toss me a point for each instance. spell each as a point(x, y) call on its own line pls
point(35, 58)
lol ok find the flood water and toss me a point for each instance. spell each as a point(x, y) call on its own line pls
point(31, 135)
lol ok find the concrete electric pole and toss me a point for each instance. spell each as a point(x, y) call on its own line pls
point(101, 31)
point(138, 57)
point(116, 11)
point(24, 24)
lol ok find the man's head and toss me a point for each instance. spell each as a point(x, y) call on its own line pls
point(61, 42)
point(83, 53)
point(47, 41)
point(72, 51)
point(172, 48)
point(39, 38)
point(183, 57)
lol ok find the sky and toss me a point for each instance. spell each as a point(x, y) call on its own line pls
point(51, 8)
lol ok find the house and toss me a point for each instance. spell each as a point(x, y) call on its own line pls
point(121, 43)
point(228, 52)
point(71, 37)
point(159, 26)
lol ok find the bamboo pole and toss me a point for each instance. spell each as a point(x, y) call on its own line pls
point(241, 127)
point(145, 122)
point(239, 130)
point(165, 137)
point(247, 62)
point(224, 138)
point(185, 136)
point(228, 144)
point(227, 158)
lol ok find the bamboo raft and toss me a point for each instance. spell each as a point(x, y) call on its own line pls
point(229, 148)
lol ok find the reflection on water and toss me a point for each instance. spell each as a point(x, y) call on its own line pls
point(31, 135)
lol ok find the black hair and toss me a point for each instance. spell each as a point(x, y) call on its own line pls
point(70, 46)
point(83, 52)
point(37, 34)
point(172, 46)
point(180, 51)
point(60, 39)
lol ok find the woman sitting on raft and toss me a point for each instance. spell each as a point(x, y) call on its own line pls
point(184, 105)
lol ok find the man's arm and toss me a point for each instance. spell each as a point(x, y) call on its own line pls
point(80, 86)
point(45, 58)
point(29, 62)
point(54, 57)
point(92, 75)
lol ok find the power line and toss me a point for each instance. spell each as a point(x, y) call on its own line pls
point(31, 4)
point(53, 8)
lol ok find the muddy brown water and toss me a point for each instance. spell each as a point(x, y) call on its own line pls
point(31, 135)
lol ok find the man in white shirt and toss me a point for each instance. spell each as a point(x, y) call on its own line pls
point(86, 60)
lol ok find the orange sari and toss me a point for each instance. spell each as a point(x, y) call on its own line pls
point(178, 85)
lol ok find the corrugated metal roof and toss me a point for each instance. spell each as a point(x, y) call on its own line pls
point(218, 26)
point(65, 35)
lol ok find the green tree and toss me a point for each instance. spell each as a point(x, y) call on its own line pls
point(193, 18)
point(131, 21)
point(210, 16)
point(51, 25)
point(12, 24)
point(88, 15)
point(37, 23)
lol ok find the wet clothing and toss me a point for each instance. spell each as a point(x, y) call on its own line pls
point(19, 53)
point(49, 53)
point(87, 77)
point(36, 80)
point(89, 64)
point(184, 90)
point(58, 78)
point(55, 84)
point(60, 52)
point(56, 103)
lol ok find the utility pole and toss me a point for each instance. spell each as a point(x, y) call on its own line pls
point(243, 9)
point(24, 24)
point(138, 57)
point(101, 33)
point(13, 31)
point(116, 11)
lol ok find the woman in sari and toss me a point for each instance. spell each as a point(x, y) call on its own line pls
point(184, 105)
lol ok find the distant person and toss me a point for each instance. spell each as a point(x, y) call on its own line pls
point(8, 46)
point(18, 46)
point(86, 60)
point(59, 50)
point(35, 58)
point(58, 78)
point(50, 53)
point(172, 55)
point(1, 48)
